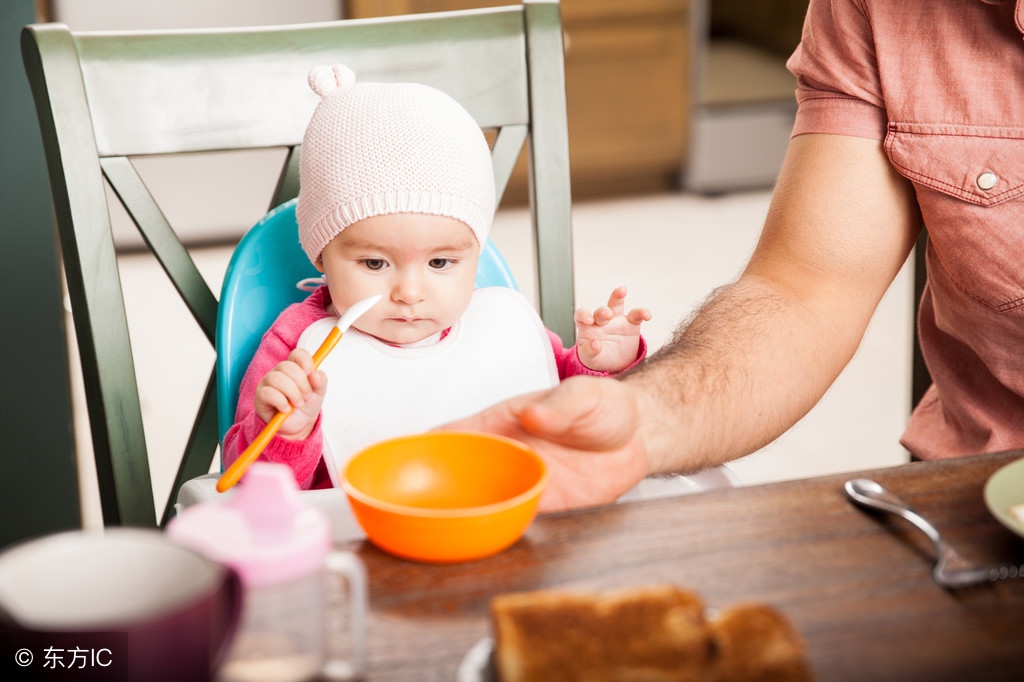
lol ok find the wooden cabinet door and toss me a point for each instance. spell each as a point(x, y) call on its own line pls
point(627, 85)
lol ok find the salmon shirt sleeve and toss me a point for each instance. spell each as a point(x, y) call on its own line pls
point(838, 86)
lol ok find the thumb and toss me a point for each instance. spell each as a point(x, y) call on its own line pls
point(584, 412)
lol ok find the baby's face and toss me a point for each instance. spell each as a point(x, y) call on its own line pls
point(423, 265)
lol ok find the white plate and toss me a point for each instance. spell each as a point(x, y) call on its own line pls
point(1005, 489)
point(476, 665)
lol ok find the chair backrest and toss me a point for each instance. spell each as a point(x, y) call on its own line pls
point(104, 98)
point(260, 282)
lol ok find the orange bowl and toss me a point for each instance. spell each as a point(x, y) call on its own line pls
point(445, 497)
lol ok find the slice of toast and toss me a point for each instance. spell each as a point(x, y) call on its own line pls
point(756, 643)
point(655, 634)
point(646, 634)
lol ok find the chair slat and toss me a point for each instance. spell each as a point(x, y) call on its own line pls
point(204, 100)
point(504, 154)
point(549, 158)
point(163, 242)
point(94, 287)
point(288, 183)
point(201, 447)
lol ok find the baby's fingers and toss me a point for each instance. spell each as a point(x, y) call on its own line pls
point(282, 390)
point(637, 316)
point(303, 359)
point(617, 299)
point(269, 400)
point(293, 379)
point(603, 315)
point(588, 350)
point(583, 317)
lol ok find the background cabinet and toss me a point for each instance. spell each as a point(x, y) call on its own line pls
point(742, 96)
point(627, 83)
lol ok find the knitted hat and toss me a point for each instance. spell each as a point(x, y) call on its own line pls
point(377, 148)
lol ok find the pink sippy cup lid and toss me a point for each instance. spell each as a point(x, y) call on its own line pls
point(266, 533)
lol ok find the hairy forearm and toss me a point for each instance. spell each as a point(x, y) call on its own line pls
point(761, 352)
point(747, 366)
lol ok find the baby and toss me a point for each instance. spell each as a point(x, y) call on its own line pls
point(397, 198)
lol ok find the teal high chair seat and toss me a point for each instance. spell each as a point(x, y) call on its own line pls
point(106, 98)
point(261, 281)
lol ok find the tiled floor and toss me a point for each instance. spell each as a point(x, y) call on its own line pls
point(670, 250)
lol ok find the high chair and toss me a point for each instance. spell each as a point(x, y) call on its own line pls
point(105, 98)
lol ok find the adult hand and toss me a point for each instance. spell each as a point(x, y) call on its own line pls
point(587, 429)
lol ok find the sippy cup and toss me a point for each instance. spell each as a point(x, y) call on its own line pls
point(281, 549)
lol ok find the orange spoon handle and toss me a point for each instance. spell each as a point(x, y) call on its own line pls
point(251, 453)
point(327, 346)
point(234, 472)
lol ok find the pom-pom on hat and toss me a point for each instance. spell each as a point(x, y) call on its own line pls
point(377, 148)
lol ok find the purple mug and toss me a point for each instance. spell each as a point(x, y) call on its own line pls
point(115, 604)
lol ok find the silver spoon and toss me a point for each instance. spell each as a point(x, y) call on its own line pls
point(951, 569)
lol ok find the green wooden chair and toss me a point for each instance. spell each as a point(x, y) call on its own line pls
point(104, 98)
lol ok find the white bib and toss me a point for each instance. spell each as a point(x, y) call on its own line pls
point(497, 350)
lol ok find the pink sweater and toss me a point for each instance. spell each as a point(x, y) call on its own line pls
point(304, 456)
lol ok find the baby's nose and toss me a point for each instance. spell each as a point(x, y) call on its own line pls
point(408, 288)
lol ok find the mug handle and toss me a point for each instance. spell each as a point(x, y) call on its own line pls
point(349, 565)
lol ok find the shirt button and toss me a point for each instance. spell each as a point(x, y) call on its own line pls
point(987, 180)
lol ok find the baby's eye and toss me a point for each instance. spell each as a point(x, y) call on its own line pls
point(373, 263)
point(441, 263)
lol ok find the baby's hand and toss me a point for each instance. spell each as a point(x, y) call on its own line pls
point(608, 339)
point(293, 382)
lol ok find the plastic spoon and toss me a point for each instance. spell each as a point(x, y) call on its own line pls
point(251, 453)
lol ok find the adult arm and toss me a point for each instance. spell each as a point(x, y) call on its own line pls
point(762, 352)
point(757, 356)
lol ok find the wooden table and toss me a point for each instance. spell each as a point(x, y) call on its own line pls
point(857, 587)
